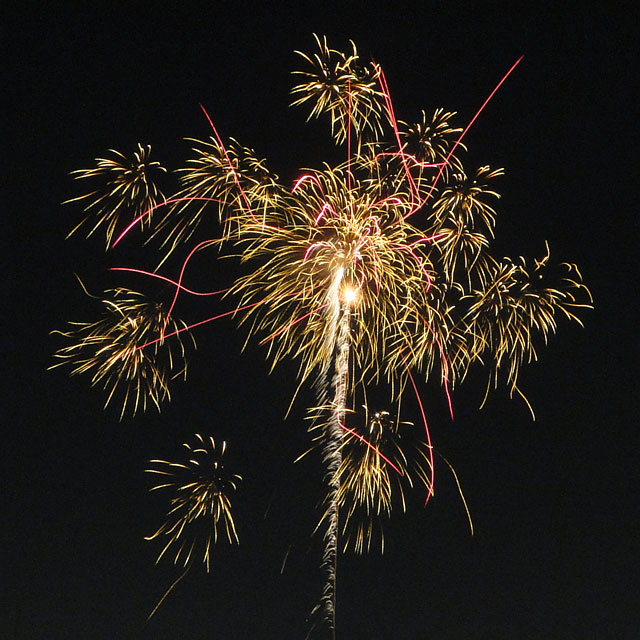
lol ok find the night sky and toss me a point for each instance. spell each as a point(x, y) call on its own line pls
point(555, 549)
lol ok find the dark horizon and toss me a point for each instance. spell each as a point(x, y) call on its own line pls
point(554, 553)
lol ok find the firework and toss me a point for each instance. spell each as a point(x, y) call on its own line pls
point(232, 177)
point(519, 304)
point(125, 351)
point(201, 506)
point(338, 84)
point(430, 142)
point(379, 265)
point(125, 186)
point(382, 458)
point(363, 272)
point(332, 239)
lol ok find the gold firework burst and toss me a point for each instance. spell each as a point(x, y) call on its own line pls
point(332, 235)
point(126, 187)
point(227, 179)
point(518, 304)
point(126, 351)
point(382, 458)
point(201, 505)
point(340, 85)
point(431, 140)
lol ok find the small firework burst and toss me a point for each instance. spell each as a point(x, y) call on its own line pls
point(383, 457)
point(463, 198)
point(125, 351)
point(127, 188)
point(431, 140)
point(517, 305)
point(231, 177)
point(200, 506)
point(338, 84)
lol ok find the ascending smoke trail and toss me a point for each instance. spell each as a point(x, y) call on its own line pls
point(337, 349)
point(333, 307)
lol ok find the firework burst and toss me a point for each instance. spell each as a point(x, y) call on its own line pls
point(337, 236)
point(362, 271)
point(382, 458)
point(232, 178)
point(125, 185)
point(431, 141)
point(200, 507)
point(517, 305)
point(340, 85)
point(125, 351)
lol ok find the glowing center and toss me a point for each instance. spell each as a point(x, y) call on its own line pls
point(349, 294)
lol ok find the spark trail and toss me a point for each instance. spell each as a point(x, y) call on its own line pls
point(332, 445)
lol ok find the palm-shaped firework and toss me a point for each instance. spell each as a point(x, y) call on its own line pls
point(367, 273)
point(200, 506)
point(126, 351)
point(123, 185)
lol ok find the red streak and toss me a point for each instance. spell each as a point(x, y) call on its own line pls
point(394, 124)
point(233, 171)
point(197, 324)
point(357, 435)
point(437, 236)
point(389, 200)
point(462, 135)
point(156, 206)
point(184, 266)
point(173, 282)
point(291, 324)
point(311, 247)
point(349, 136)
point(426, 428)
point(413, 159)
point(302, 179)
point(326, 206)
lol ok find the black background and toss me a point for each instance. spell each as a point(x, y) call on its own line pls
point(555, 550)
